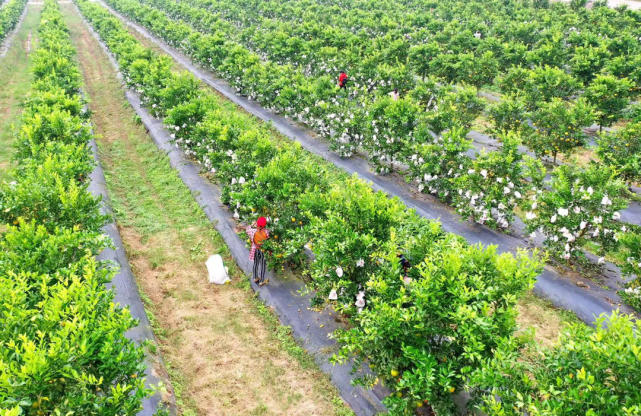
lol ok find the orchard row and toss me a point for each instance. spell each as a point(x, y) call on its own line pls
point(63, 348)
point(9, 15)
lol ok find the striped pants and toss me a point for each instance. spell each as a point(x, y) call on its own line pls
point(259, 266)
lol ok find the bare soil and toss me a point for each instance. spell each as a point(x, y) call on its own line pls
point(547, 321)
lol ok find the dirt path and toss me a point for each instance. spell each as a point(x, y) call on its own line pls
point(227, 355)
point(15, 76)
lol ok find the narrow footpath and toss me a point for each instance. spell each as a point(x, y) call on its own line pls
point(16, 78)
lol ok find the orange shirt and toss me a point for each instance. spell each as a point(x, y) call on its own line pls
point(259, 237)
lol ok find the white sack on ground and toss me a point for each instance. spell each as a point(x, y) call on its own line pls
point(216, 269)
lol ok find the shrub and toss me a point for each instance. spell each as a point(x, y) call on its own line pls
point(50, 124)
point(557, 127)
point(622, 150)
point(72, 161)
point(589, 372)
point(436, 162)
point(580, 206)
point(609, 96)
point(424, 338)
point(49, 97)
point(496, 183)
point(29, 247)
point(49, 195)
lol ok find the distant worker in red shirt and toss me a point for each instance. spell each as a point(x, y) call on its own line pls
point(342, 80)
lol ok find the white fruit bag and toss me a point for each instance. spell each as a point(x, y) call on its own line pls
point(217, 271)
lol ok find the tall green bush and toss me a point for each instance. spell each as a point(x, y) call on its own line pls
point(589, 372)
point(63, 348)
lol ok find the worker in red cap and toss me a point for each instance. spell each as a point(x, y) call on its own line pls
point(258, 235)
point(342, 80)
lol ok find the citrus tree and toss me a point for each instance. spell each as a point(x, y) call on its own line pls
point(424, 336)
point(622, 150)
point(392, 125)
point(496, 183)
point(458, 107)
point(420, 57)
point(509, 115)
point(590, 371)
point(581, 205)
point(543, 83)
point(557, 127)
point(347, 224)
point(609, 96)
point(436, 161)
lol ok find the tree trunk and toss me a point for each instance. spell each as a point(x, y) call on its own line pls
point(426, 410)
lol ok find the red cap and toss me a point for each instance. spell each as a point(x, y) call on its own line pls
point(261, 222)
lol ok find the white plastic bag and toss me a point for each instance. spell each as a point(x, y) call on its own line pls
point(217, 271)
